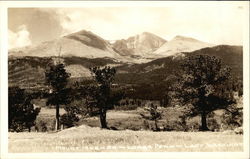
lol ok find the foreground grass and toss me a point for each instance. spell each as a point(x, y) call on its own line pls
point(88, 139)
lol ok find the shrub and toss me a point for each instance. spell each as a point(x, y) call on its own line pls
point(73, 110)
point(152, 114)
point(175, 125)
point(22, 114)
point(232, 120)
point(44, 124)
point(193, 126)
point(41, 126)
point(146, 125)
point(69, 119)
point(213, 124)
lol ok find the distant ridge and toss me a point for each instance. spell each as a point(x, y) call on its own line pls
point(181, 44)
point(140, 48)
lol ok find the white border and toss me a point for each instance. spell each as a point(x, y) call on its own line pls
point(79, 4)
point(148, 155)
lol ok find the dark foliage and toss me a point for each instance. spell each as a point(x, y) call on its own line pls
point(45, 124)
point(101, 95)
point(204, 84)
point(57, 78)
point(22, 114)
point(233, 117)
point(69, 119)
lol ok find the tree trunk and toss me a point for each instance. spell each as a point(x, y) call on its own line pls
point(103, 118)
point(156, 126)
point(204, 122)
point(57, 127)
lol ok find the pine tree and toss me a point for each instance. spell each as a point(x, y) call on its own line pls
point(57, 78)
point(102, 96)
point(203, 85)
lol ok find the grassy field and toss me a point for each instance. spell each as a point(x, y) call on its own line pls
point(87, 137)
point(120, 119)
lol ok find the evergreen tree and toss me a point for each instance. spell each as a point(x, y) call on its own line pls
point(102, 96)
point(57, 78)
point(203, 86)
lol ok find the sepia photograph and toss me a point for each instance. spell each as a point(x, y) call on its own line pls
point(125, 77)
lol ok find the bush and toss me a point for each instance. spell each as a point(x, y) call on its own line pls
point(233, 116)
point(22, 114)
point(232, 121)
point(44, 124)
point(69, 119)
point(213, 124)
point(41, 126)
point(153, 114)
point(175, 125)
point(146, 125)
point(193, 126)
point(73, 110)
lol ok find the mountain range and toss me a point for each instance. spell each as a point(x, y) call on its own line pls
point(143, 58)
point(136, 49)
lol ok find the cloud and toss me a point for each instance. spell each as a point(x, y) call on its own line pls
point(212, 23)
point(20, 38)
point(217, 24)
point(110, 23)
point(43, 23)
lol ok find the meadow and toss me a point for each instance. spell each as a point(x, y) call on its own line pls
point(88, 137)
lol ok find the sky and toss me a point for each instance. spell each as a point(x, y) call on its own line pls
point(221, 24)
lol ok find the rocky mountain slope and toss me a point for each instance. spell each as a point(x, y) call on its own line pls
point(80, 44)
point(139, 45)
point(180, 44)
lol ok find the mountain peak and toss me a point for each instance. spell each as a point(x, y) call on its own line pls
point(81, 44)
point(81, 33)
point(181, 44)
point(147, 33)
point(151, 35)
point(88, 38)
point(140, 44)
point(180, 37)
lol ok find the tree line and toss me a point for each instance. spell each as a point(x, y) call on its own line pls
point(202, 85)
